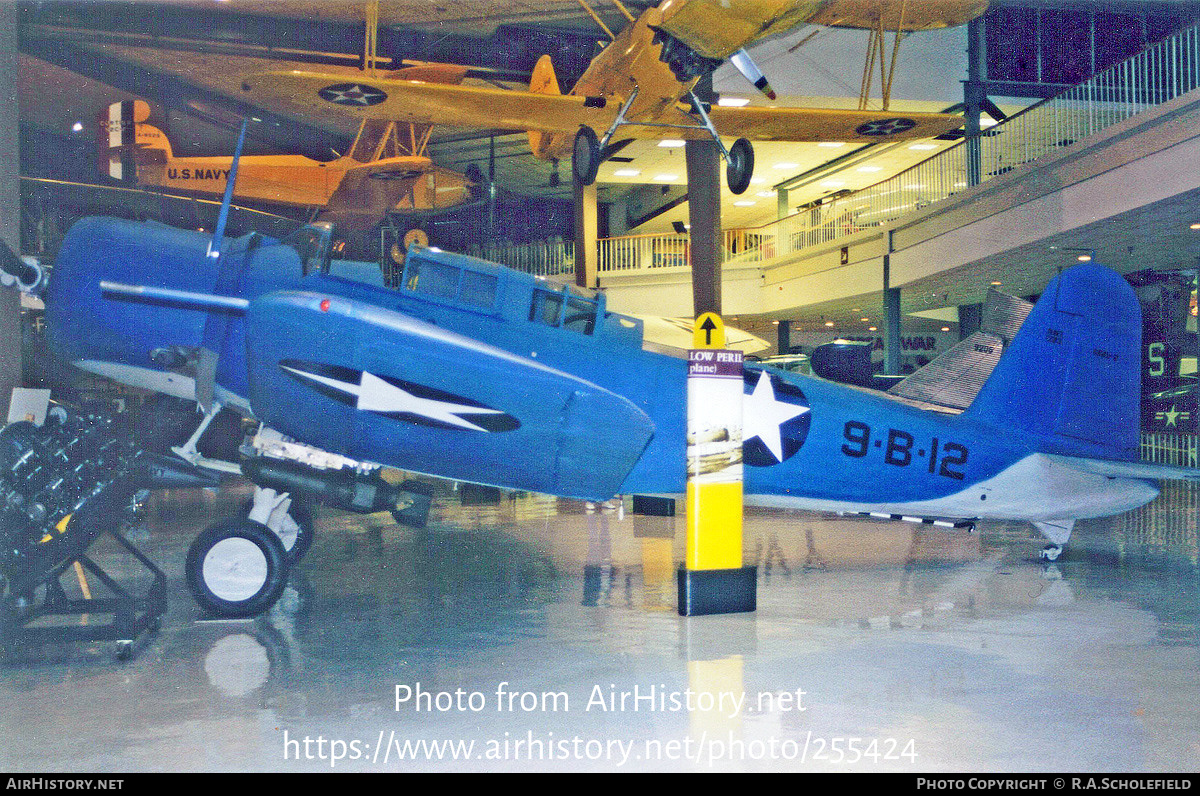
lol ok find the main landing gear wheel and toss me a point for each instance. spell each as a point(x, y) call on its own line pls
point(585, 157)
point(236, 568)
point(739, 166)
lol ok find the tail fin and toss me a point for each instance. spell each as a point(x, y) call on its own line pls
point(1071, 377)
point(127, 142)
point(542, 81)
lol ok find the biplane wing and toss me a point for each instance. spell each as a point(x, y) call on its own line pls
point(759, 123)
point(714, 29)
point(422, 102)
point(369, 192)
point(474, 106)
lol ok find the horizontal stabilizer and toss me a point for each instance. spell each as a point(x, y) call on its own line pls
point(956, 377)
point(1003, 315)
point(1118, 469)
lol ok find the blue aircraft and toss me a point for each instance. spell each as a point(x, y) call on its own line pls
point(473, 372)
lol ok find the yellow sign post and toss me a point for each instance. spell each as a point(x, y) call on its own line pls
point(713, 579)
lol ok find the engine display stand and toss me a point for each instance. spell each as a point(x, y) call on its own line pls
point(58, 618)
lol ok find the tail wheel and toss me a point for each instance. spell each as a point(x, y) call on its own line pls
point(739, 167)
point(236, 568)
point(585, 157)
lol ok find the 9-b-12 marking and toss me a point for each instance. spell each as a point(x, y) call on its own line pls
point(945, 459)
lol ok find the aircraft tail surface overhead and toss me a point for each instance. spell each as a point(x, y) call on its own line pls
point(542, 81)
point(126, 141)
point(1071, 377)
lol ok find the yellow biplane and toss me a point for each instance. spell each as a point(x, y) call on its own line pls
point(641, 85)
point(385, 170)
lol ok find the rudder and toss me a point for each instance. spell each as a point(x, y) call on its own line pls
point(125, 140)
point(543, 80)
point(1071, 377)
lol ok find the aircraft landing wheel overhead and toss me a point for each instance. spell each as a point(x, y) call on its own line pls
point(585, 157)
point(236, 568)
point(739, 167)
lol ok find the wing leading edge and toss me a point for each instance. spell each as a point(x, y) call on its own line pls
point(476, 106)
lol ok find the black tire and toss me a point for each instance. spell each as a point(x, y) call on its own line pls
point(236, 568)
point(739, 167)
point(302, 515)
point(585, 156)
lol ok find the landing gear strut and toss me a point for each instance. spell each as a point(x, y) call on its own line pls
point(1051, 552)
point(588, 150)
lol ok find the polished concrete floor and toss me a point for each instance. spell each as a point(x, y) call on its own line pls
point(526, 633)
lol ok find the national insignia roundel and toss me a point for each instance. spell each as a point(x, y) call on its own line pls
point(353, 94)
point(885, 127)
point(775, 419)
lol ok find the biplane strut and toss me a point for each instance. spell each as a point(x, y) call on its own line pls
point(588, 151)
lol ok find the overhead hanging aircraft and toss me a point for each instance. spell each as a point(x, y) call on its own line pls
point(473, 372)
point(387, 168)
point(641, 85)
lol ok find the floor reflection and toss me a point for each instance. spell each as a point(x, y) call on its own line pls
point(936, 649)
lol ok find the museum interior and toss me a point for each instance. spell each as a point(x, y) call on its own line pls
point(600, 385)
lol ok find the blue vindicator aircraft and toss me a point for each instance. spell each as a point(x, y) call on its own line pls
point(473, 372)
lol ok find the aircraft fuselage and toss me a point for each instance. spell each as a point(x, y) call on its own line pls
point(473, 372)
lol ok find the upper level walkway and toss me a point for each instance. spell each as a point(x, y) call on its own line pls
point(1109, 166)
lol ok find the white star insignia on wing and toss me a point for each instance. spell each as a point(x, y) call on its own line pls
point(762, 415)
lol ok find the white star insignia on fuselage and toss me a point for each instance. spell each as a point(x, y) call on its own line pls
point(376, 395)
point(762, 415)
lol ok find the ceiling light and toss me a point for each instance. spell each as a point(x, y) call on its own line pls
point(1195, 226)
point(77, 126)
point(864, 320)
point(1084, 258)
point(745, 203)
point(785, 165)
point(733, 102)
point(945, 328)
point(866, 169)
point(765, 194)
point(671, 143)
point(666, 177)
point(997, 284)
point(832, 184)
point(922, 146)
point(832, 143)
point(626, 173)
point(872, 329)
point(829, 323)
point(757, 180)
point(774, 323)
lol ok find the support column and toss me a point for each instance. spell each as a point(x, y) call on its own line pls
point(785, 337)
point(781, 203)
point(10, 203)
point(587, 242)
point(973, 96)
point(970, 320)
point(704, 214)
point(892, 350)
